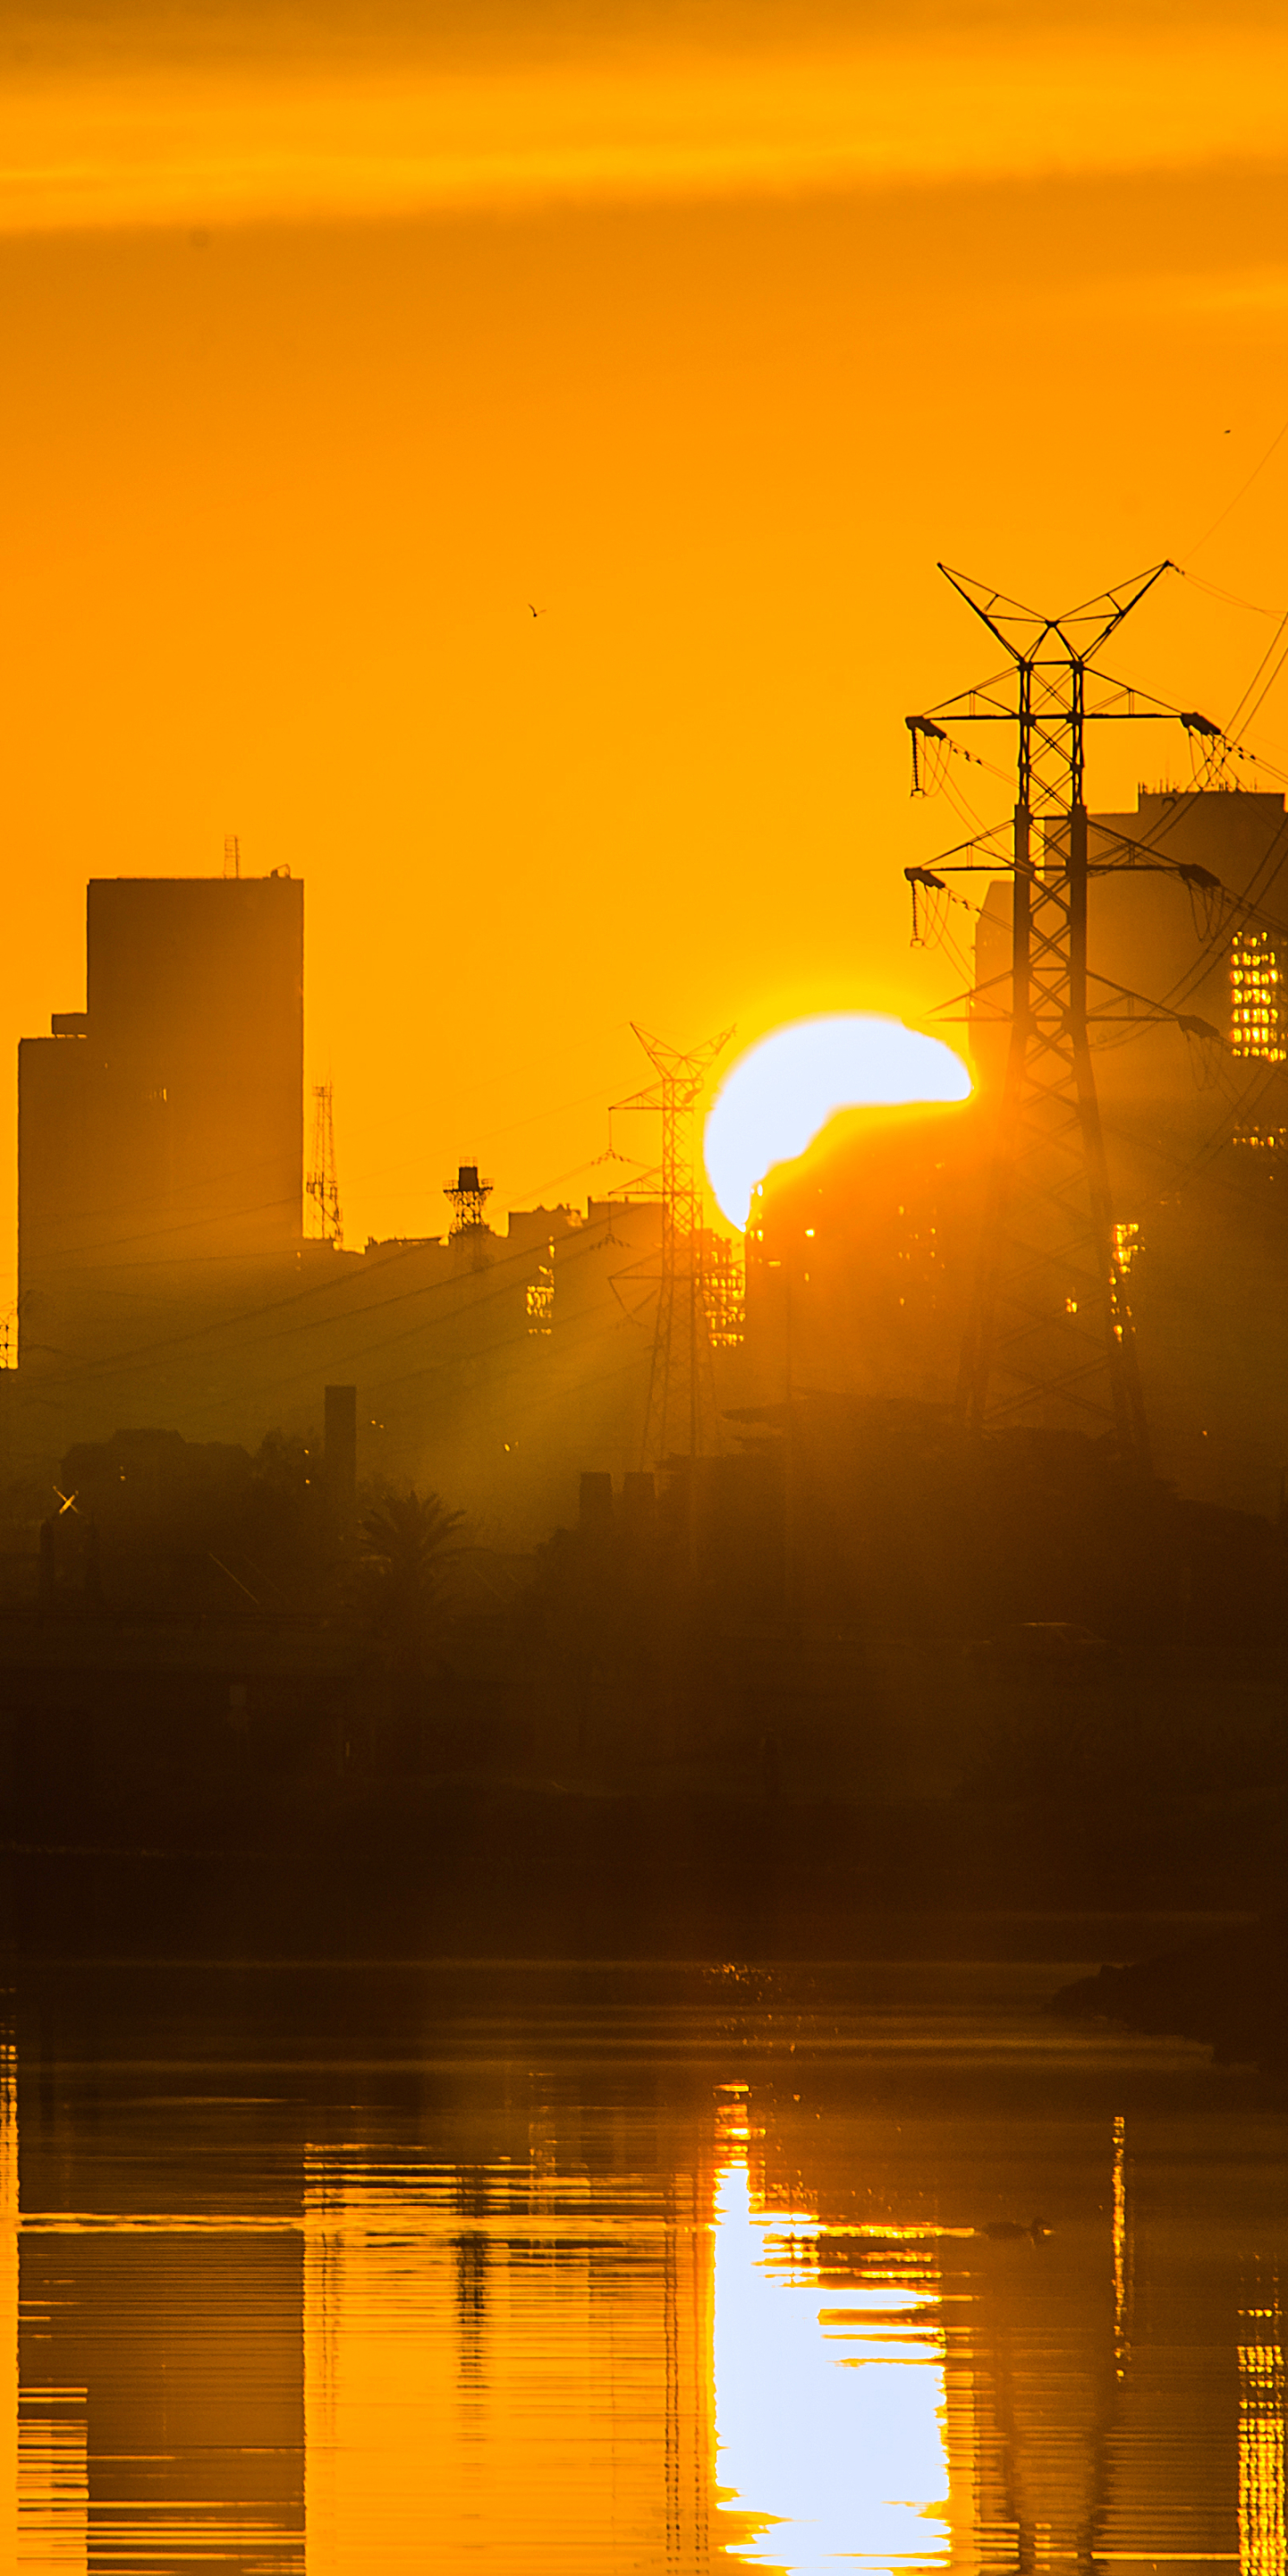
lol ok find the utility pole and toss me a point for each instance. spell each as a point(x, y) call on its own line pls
point(681, 1349)
point(1049, 1337)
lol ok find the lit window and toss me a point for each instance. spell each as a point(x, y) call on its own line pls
point(1257, 1023)
point(724, 1292)
point(539, 1296)
point(1127, 1244)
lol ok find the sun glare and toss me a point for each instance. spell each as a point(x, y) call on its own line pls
point(830, 2401)
point(778, 1096)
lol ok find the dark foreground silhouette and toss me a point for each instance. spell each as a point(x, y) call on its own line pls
point(1227, 1987)
point(754, 1712)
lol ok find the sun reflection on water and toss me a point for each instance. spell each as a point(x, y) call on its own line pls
point(569, 2326)
point(830, 2396)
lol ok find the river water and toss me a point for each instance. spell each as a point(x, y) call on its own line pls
point(546, 2271)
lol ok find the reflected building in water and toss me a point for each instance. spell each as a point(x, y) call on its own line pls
point(156, 2355)
point(1262, 2397)
point(502, 2375)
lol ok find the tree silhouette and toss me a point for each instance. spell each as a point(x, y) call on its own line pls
point(407, 1543)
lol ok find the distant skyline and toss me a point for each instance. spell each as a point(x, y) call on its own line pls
point(335, 338)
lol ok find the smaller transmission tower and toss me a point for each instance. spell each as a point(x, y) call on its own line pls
point(232, 855)
point(321, 1185)
point(468, 1198)
point(681, 1403)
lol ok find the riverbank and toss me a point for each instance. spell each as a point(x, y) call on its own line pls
point(1226, 1986)
point(468, 1867)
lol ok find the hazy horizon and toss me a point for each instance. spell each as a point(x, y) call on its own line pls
point(340, 341)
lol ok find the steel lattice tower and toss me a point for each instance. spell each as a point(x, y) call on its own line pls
point(467, 1198)
point(680, 1399)
point(1049, 1336)
point(322, 1186)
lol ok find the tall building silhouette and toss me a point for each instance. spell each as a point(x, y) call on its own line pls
point(164, 1123)
point(166, 1280)
point(860, 1255)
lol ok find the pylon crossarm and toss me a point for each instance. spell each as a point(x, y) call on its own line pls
point(653, 1098)
point(1012, 623)
point(953, 864)
point(1155, 1011)
point(1121, 599)
point(982, 704)
point(1128, 704)
point(994, 610)
point(982, 868)
point(994, 701)
point(1149, 867)
point(672, 1064)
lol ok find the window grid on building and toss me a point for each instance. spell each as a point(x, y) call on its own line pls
point(1257, 1026)
point(1127, 1244)
point(724, 1291)
point(539, 1296)
point(1262, 1140)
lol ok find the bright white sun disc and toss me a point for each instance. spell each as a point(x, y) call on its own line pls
point(776, 1098)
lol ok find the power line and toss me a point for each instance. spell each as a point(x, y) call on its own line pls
point(1223, 515)
point(579, 1244)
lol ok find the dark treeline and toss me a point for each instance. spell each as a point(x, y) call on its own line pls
point(907, 1666)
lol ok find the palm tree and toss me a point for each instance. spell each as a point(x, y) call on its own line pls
point(406, 1548)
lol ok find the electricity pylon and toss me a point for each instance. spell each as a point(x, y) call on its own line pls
point(1049, 1336)
point(322, 1186)
point(680, 1399)
point(468, 1200)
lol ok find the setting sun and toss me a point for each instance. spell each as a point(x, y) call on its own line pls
point(782, 1092)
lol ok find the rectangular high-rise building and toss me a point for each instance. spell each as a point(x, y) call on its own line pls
point(164, 1123)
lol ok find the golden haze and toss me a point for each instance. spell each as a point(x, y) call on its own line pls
point(335, 345)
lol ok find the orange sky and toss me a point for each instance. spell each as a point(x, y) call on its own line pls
point(333, 337)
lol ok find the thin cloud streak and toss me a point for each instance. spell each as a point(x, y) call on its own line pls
point(196, 144)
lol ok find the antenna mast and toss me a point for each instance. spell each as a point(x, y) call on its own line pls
point(1050, 1336)
point(321, 1186)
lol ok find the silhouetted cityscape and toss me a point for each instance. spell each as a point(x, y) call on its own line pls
point(598, 1505)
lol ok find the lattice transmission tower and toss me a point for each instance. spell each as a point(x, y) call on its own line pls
point(321, 1186)
point(1049, 1336)
point(467, 1198)
point(681, 1395)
